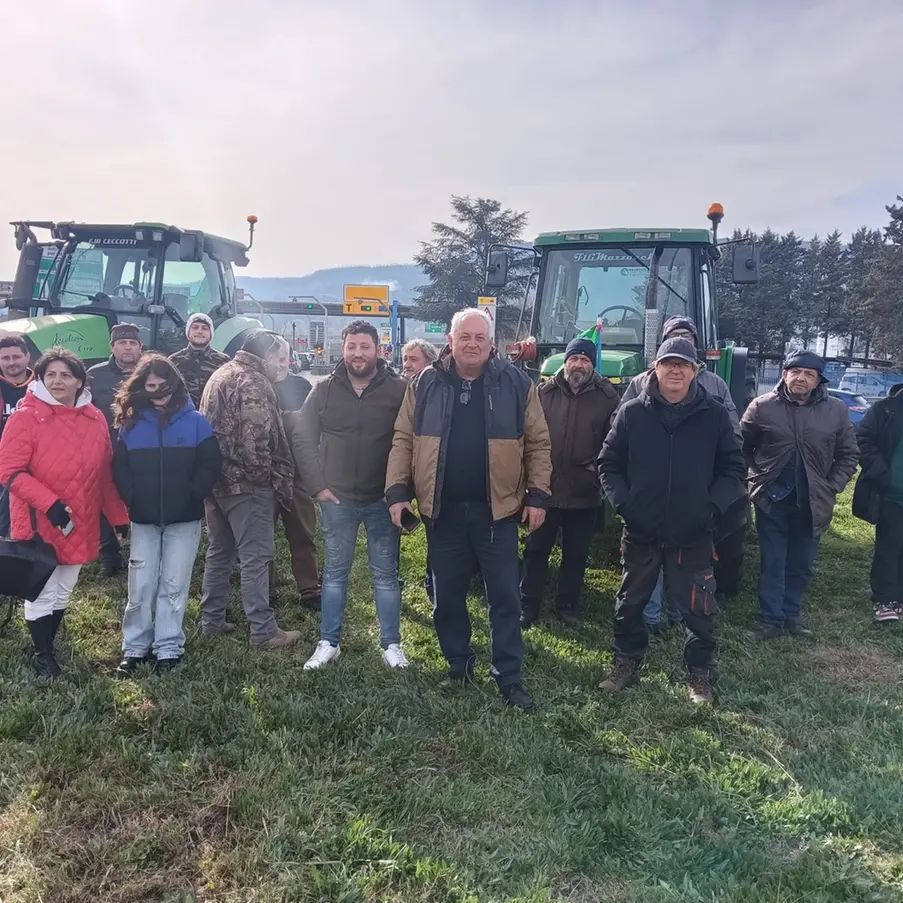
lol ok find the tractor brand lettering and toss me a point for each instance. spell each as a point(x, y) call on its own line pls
point(67, 338)
point(608, 257)
point(123, 242)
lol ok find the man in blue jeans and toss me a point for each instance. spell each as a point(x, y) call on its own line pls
point(801, 452)
point(341, 448)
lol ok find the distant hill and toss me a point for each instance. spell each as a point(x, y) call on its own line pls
point(327, 285)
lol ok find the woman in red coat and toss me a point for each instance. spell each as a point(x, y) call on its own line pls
point(56, 459)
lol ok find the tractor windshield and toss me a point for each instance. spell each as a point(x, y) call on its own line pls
point(616, 283)
point(124, 276)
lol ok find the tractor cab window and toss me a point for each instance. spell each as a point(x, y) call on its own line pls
point(190, 288)
point(617, 284)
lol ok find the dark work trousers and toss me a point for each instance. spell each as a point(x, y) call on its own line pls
point(110, 549)
point(729, 542)
point(300, 522)
point(788, 549)
point(691, 590)
point(576, 525)
point(887, 563)
point(461, 535)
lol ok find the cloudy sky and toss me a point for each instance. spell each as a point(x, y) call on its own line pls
point(346, 124)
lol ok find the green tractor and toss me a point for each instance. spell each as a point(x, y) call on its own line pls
point(73, 287)
point(618, 286)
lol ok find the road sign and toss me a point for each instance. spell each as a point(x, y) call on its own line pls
point(366, 300)
point(385, 335)
point(489, 305)
point(365, 309)
point(435, 327)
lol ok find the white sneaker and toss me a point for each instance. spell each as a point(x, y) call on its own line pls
point(323, 655)
point(394, 656)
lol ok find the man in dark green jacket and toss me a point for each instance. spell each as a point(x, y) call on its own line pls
point(879, 500)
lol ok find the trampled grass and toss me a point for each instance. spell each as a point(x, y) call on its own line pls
point(242, 778)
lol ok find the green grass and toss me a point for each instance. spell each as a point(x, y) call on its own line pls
point(242, 778)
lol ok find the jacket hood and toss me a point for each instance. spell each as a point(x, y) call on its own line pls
point(29, 378)
point(39, 392)
point(253, 362)
point(151, 415)
point(895, 390)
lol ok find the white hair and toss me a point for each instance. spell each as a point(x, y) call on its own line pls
point(430, 352)
point(461, 315)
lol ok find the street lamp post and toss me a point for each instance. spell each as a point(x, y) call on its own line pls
point(315, 300)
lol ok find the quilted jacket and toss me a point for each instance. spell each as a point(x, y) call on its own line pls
point(66, 455)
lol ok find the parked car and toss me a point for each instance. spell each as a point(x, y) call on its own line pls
point(303, 360)
point(856, 404)
point(870, 384)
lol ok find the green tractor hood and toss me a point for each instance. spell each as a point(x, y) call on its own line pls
point(86, 335)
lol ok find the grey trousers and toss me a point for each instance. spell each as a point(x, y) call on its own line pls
point(243, 524)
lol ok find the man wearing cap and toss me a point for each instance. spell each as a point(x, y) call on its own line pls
point(198, 361)
point(578, 404)
point(801, 451)
point(104, 381)
point(732, 527)
point(670, 466)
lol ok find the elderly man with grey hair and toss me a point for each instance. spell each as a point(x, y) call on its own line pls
point(417, 355)
point(474, 425)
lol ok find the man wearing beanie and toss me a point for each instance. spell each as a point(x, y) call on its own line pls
point(104, 381)
point(670, 466)
point(578, 404)
point(801, 451)
point(197, 362)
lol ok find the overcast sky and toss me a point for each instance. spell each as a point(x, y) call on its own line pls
point(346, 124)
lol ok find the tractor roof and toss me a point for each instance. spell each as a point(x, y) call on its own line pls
point(62, 230)
point(620, 236)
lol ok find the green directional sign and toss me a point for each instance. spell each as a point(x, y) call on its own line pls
point(435, 327)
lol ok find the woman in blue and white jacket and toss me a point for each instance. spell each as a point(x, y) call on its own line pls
point(165, 463)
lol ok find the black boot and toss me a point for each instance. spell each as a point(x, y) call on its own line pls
point(42, 631)
point(57, 620)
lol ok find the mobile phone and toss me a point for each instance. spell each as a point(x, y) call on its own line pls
point(69, 527)
point(409, 521)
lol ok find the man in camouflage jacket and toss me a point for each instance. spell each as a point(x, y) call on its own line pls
point(257, 475)
point(197, 361)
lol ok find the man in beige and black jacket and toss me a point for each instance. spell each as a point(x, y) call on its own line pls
point(472, 446)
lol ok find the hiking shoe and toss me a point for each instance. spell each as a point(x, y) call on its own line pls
point(280, 640)
point(394, 657)
point(569, 617)
point(763, 631)
point(46, 667)
point(700, 686)
point(110, 568)
point(130, 664)
point(323, 655)
point(625, 673)
point(798, 629)
point(225, 629)
point(310, 599)
point(460, 676)
point(164, 665)
point(517, 697)
point(887, 613)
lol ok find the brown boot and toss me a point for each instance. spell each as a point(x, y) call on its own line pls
point(624, 674)
point(280, 640)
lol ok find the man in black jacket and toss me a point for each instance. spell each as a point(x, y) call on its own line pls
point(104, 381)
point(670, 466)
point(878, 499)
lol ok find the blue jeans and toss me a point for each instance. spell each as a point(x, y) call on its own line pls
point(788, 550)
point(160, 563)
point(653, 611)
point(340, 526)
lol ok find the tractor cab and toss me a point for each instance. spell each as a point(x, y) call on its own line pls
point(149, 274)
point(617, 287)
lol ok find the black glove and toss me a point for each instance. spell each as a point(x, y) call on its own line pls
point(58, 515)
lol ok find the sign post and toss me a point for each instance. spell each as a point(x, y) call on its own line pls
point(489, 305)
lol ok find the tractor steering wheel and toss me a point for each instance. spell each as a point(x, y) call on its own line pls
point(125, 290)
point(625, 307)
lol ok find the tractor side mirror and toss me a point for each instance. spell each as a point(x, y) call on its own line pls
point(727, 329)
point(745, 263)
point(191, 247)
point(26, 276)
point(497, 269)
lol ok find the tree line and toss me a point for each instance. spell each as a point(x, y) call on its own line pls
point(809, 293)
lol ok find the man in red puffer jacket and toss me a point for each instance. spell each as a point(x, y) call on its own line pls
point(56, 459)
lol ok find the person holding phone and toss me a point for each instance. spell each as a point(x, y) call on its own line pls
point(56, 459)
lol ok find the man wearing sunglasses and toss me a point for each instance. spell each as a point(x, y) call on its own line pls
point(472, 445)
point(671, 466)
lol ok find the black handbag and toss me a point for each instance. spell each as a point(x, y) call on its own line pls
point(25, 564)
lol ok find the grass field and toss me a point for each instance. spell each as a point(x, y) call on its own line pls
point(242, 778)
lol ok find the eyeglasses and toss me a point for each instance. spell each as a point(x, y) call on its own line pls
point(464, 398)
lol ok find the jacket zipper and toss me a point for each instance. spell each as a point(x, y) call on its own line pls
point(160, 457)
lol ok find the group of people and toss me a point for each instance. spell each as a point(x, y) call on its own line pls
point(462, 442)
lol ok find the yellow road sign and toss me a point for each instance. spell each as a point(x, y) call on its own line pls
point(365, 309)
point(366, 300)
point(485, 300)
